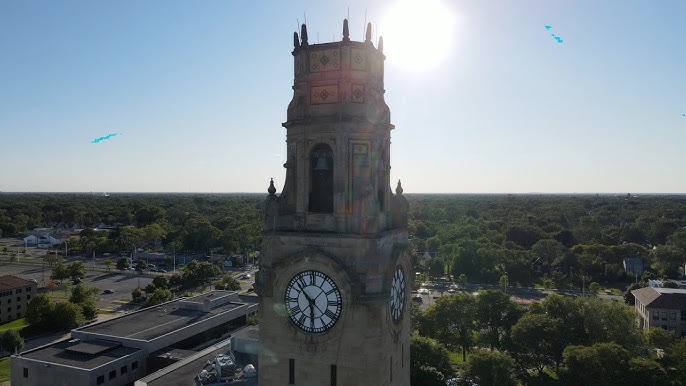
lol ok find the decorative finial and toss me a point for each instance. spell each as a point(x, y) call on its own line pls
point(296, 41)
point(272, 189)
point(380, 43)
point(346, 32)
point(399, 189)
point(303, 35)
point(368, 37)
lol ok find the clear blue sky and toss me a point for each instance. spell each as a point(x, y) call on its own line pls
point(199, 90)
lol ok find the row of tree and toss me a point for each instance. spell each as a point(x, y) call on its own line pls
point(561, 340)
point(562, 240)
point(182, 222)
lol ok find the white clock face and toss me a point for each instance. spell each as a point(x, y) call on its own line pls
point(313, 301)
point(397, 301)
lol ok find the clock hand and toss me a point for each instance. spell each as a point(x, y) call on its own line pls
point(309, 299)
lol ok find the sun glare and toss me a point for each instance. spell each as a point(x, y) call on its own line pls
point(418, 35)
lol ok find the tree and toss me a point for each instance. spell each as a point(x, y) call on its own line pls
point(451, 321)
point(141, 265)
point(675, 361)
point(108, 264)
point(503, 282)
point(495, 315)
point(11, 341)
point(158, 297)
point(197, 273)
point(67, 315)
point(228, 282)
point(610, 322)
point(594, 288)
point(161, 282)
point(150, 288)
point(137, 295)
point(646, 372)
point(429, 362)
point(39, 309)
point(81, 294)
point(539, 341)
point(416, 316)
point(666, 260)
point(490, 367)
point(123, 263)
point(602, 364)
point(76, 270)
point(656, 337)
point(463, 280)
point(60, 272)
point(53, 260)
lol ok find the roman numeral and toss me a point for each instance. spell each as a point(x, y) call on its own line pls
point(302, 282)
point(312, 278)
point(330, 314)
point(295, 310)
point(301, 320)
point(334, 303)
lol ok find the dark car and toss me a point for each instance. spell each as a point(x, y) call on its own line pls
point(418, 299)
point(108, 291)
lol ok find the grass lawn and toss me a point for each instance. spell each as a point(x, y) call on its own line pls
point(14, 325)
point(4, 369)
point(456, 357)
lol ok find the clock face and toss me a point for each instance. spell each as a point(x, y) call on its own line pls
point(313, 301)
point(397, 301)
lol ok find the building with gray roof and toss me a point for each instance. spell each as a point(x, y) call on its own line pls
point(661, 307)
point(117, 351)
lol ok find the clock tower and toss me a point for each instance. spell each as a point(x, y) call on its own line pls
point(335, 269)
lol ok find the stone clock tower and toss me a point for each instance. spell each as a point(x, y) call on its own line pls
point(335, 270)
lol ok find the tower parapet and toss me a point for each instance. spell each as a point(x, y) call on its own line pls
point(338, 135)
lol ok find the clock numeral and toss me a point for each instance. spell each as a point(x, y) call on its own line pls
point(295, 310)
point(330, 314)
point(334, 303)
point(312, 278)
point(291, 300)
point(301, 320)
point(302, 282)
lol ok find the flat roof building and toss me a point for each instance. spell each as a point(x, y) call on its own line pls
point(117, 351)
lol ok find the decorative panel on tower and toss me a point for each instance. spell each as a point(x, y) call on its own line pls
point(335, 268)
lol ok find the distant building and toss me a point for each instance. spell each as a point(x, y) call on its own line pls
point(42, 241)
point(15, 294)
point(633, 266)
point(120, 351)
point(661, 307)
point(654, 283)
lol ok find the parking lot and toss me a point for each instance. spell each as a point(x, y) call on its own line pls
point(121, 284)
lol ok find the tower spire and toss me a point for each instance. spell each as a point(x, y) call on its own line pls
point(346, 32)
point(368, 36)
point(296, 41)
point(303, 35)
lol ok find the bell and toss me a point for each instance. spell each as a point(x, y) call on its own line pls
point(321, 165)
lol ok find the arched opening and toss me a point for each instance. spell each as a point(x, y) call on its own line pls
point(321, 179)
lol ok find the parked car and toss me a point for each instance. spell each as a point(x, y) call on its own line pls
point(418, 299)
point(108, 291)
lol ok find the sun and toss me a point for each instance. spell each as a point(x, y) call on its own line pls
point(418, 35)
